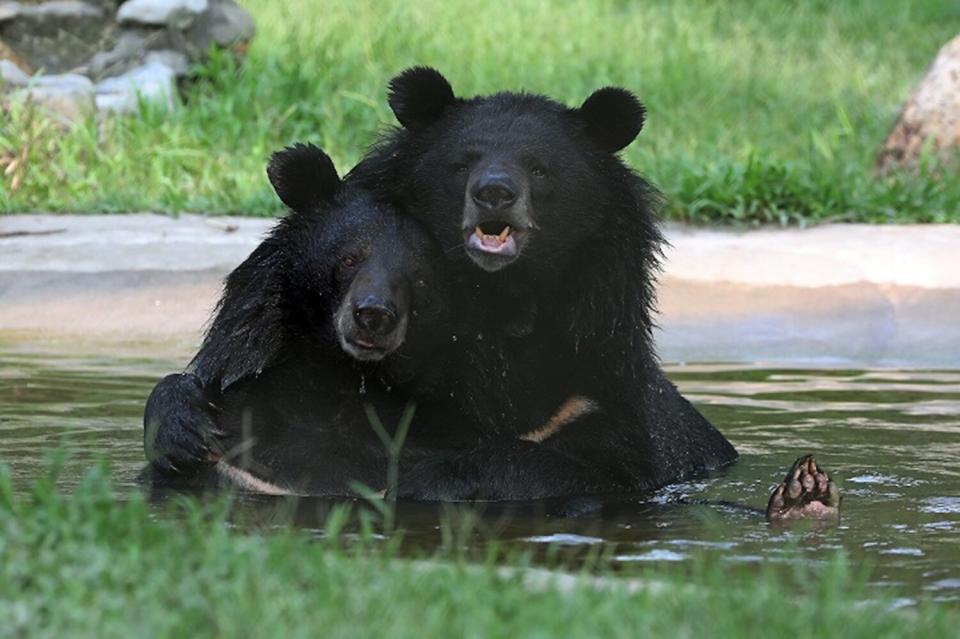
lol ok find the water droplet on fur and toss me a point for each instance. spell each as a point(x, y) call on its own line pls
point(454, 338)
point(479, 337)
point(363, 384)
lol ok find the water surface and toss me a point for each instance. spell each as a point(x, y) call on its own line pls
point(890, 437)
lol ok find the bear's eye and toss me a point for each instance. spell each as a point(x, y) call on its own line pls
point(538, 172)
point(459, 168)
point(349, 261)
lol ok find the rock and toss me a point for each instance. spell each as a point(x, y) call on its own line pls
point(109, 7)
point(128, 52)
point(153, 81)
point(161, 12)
point(137, 51)
point(69, 97)
point(178, 62)
point(134, 47)
point(57, 36)
point(6, 53)
point(9, 10)
point(226, 24)
point(230, 24)
point(12, 75)
point(59, 9)
point(931, 115)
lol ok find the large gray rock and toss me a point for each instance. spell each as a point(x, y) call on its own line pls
point(161, 12)
point(178, 62)
point(226, 24)
point(9, 10)
point(154, 82)
point(128, 52)
point(222, 24)
point(12, 75)
point(137, 52)
point(109, 7)
point(57, 36)
point(931, 114)
point(68, 97)
point(59, 9)
point(135, 47)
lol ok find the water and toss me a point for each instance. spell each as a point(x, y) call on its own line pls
point(890, 437)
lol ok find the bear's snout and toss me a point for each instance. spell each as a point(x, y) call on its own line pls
point(494, 191)
point(371, 322)
point(375, 317)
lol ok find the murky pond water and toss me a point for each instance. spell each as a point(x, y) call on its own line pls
point(891, 438)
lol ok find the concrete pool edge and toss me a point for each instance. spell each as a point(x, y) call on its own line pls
point(876, 295)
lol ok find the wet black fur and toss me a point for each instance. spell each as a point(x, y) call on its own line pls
point(270, 366)
point(574, 314)
point(271, 391)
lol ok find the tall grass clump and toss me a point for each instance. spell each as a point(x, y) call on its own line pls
point(96, 563)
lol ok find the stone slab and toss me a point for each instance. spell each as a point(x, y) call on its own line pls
point(832, 295)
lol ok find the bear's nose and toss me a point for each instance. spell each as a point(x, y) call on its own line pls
point(494, 193)
point(375, 317)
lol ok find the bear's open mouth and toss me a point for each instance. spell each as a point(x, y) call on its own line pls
point(495, 237)
point(362, 350)
point(356, 341)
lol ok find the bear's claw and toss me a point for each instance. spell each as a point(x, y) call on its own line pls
point(805, 493)
point(180, 429)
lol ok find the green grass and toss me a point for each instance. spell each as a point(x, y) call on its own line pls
point(90, 565)
point(759, 111)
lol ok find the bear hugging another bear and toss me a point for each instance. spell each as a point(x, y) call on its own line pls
point(491, 261)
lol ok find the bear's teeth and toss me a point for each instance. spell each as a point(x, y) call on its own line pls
point(501, 236)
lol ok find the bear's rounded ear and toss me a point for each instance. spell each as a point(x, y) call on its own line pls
point(614, 117)
point(419, 96)
point(303, 176)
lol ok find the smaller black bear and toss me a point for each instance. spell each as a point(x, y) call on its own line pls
point(312, 326)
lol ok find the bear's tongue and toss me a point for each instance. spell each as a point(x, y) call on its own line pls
point(493, 240)
point(499, 243)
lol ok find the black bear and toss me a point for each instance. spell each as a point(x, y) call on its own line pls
point(553, 244)
point(342, 296)
point(313, 327)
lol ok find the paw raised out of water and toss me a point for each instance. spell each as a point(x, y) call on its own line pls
point(805, 493)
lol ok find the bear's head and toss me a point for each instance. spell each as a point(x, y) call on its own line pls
point(356, 274)
point(514, 177)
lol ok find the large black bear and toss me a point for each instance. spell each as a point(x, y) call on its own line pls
point(312, 328)
point(553, 244)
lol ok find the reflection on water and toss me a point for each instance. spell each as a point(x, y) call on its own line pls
point(892, 438)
